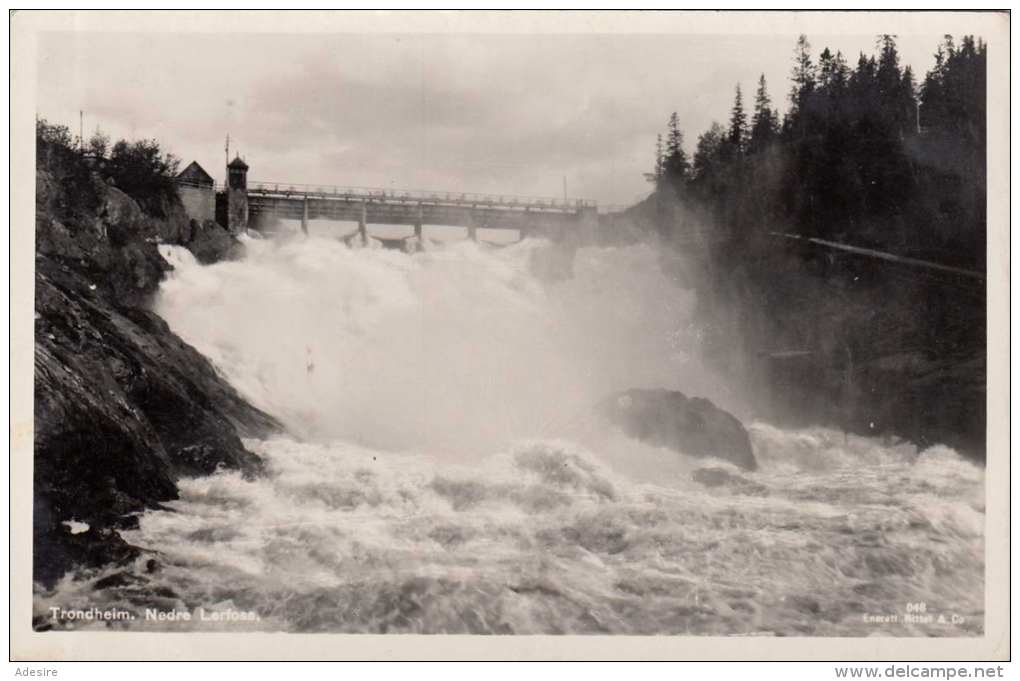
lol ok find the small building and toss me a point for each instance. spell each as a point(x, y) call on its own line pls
point(237, 196)
point(198, 192)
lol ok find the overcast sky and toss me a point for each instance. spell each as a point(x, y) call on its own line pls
point(510, 114)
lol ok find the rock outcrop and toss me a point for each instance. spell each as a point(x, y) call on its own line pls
point(692, 425)
point(211, 243)
point(123, 407)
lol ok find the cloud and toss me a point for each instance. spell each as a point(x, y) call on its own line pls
point(511, 114)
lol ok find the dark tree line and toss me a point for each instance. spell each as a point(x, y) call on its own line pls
point(863, 155)
point(139, 168)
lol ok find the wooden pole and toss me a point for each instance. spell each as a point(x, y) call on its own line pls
point(304, 215)
point(418, 222)
point(363, 223)
point(881, 255)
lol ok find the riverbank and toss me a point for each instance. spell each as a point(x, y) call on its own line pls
point(123, 406)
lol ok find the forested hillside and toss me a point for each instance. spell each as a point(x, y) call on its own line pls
point(868, 156)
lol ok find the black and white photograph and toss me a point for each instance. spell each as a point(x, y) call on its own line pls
point(657, 326)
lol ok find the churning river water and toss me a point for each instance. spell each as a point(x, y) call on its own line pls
point(442, 471)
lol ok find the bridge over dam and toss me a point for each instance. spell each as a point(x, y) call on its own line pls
point(241, 205)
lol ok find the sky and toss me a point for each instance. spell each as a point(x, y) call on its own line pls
point(511, 114)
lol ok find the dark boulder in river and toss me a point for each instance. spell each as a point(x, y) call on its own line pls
point(123, 407)
point(692, 425)
point(211, 243)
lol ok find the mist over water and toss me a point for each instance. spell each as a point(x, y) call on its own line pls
point(442, 471)
point(458, 350)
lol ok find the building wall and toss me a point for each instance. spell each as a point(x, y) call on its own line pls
point(237, 210)
point(199, 202)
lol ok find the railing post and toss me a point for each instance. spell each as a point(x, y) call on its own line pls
point(304, 215)
point(473, 225)
point(418, 222)
point(363, 223)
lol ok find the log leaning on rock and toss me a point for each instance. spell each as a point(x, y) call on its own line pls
point(691, 425)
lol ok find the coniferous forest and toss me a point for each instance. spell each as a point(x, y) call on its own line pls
point(868, 156)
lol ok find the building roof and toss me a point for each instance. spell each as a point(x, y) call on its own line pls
point(238, 163)
point(194, 174)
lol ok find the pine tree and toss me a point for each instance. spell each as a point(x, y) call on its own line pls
point(738, 133)
point(863, 85)
point(840, 74)
point(826, 69)
point(765, 121)
point(832, 73)
point(675, 164)
point(895, 87)
point(888, 74)
point(908, 99)
point(803, 75)
point(953, 94)
point(708, 154)
point(949, 46)
point(660, 160)
point(655, 177)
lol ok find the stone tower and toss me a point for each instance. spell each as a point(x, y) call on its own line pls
point(237, 196)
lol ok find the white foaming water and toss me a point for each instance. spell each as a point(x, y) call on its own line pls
point(458, 350)
point(442, 472)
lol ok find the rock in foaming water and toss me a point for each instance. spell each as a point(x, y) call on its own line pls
point(692, 425)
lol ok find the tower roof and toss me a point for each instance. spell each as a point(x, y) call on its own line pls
point(238, 163)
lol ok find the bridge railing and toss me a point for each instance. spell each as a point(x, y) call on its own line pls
point(421, 196)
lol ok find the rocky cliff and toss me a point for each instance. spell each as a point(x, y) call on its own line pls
point(123, 407)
